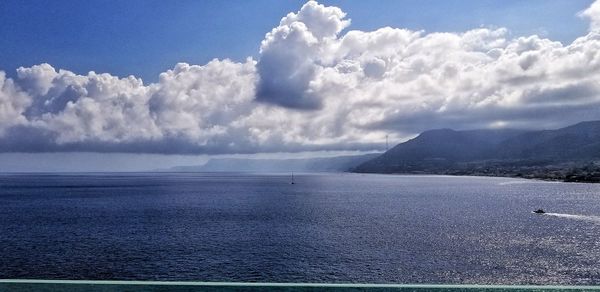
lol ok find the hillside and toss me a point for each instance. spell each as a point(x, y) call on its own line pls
point(567, 154)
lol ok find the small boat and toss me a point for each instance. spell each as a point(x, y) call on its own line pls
point(539, 211)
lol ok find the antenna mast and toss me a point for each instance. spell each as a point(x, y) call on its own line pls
point(386, 143)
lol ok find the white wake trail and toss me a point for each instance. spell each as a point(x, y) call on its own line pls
point(588, 218)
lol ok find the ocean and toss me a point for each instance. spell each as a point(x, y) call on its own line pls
point(334, 228)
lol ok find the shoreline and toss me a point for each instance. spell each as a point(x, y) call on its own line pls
point(527, 177)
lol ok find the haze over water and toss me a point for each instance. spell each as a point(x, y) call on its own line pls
point(325, 228)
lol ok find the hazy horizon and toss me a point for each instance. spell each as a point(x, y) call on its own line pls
point(74, 162)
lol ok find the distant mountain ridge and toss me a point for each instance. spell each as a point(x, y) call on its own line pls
point(571, 153)
point(494, 152)
point(579, 141)
point(439, 149)
point(323, 164)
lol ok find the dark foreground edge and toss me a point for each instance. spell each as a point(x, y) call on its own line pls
point(133, 286)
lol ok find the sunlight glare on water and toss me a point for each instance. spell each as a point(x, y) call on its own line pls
point(335, 228)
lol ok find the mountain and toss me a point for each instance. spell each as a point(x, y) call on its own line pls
point(562, 153)
point(323, 164)
point(439, 149)
point(580, 141)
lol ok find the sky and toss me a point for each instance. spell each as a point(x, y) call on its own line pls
point(146, 37)
point(135, 85)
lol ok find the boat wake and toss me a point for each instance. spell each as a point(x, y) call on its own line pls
point(588, 218)
point(526, 181)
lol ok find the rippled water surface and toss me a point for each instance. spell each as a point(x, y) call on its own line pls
point(324, 228)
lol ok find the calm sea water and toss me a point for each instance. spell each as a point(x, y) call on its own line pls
point(325, 228)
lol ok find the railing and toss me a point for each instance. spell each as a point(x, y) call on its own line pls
point(134, 286)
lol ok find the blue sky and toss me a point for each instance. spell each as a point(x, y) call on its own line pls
point(146, 37)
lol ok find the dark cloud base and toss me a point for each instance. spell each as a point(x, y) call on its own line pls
point(32, 140)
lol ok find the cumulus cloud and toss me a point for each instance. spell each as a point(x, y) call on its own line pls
point(315, 86)
point(593, 14)
point(291, 53)
point(13, 103)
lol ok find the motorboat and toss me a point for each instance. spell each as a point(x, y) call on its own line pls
point(539, 211)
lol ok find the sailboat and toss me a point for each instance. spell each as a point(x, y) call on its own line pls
point(292, 179)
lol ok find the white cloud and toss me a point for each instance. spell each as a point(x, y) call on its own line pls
point(314, 87)
point(13, 103)
point(593, 14)
point(291, 54)
point(201, 102)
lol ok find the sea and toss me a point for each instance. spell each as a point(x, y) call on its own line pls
point(325, 228)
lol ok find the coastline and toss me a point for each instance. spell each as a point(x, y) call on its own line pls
point(568, 173)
